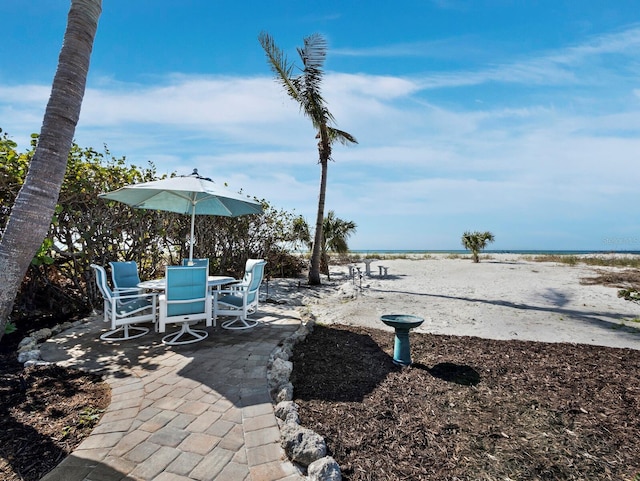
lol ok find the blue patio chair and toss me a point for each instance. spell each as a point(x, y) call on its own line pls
point(186, 301)
point(197, 263)
point(240, 300)
point(122, 309)
point(124, 276)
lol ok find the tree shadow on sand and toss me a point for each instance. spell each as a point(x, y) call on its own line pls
point(558, 301)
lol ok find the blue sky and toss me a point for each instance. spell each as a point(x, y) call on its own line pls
point(517, 117)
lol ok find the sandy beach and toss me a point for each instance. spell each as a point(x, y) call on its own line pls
point(503, 297)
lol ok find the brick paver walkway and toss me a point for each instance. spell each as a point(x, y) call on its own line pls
point(194, 412)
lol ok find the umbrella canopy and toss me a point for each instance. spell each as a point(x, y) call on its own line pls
point(190, 194)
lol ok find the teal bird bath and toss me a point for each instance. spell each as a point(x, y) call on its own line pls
point(402, 323)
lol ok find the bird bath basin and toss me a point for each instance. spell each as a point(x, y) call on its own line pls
point(402, 323)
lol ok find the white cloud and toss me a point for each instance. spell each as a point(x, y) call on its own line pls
point(430, 167)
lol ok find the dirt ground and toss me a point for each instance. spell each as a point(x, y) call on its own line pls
point(45, 412)
point(470, 408)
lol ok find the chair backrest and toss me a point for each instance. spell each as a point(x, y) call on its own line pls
point(184, 283)
point(196, 263)
point(248, 270)
point(101, 281)
point(124, 275)
point(255, 278)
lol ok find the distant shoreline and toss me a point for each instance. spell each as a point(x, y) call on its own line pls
point(490, 251)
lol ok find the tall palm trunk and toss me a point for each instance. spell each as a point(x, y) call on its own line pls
point(314, 271)
point(35, 204)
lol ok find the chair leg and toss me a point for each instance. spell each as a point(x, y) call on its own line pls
point(193, 335)
point(239, 323)
point(114, 335)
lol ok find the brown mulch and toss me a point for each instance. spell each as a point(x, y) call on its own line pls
point(470, 408)
point(45, 412)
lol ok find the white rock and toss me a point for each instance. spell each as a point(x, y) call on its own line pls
point(284, 393)
point(302, 445)
point(28, 356)
point(324, 469)
point(283, 409)
point(26, 341)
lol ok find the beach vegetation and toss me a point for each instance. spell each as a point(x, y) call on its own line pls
point(306, 90)
point(632, 261)
point(630, 294)
point(476, 242)
point(86, 229)
point(335, 234)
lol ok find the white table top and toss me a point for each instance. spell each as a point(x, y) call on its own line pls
point(160, 284)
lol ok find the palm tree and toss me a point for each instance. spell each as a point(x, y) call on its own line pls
point(34, 206)
point(305, 89)
point(335, 232)
point(475, 242)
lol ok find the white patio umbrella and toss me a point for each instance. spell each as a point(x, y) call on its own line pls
point(190, 194)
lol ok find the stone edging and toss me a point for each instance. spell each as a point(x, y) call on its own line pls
point(28, 352)
point(305, 448)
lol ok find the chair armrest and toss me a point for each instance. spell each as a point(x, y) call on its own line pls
point(127, 290)
point(131, 296)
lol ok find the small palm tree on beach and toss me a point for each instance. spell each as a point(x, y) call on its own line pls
point(476, 242)
point(335, 232)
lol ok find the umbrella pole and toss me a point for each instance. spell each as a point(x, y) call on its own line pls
point(193, 220)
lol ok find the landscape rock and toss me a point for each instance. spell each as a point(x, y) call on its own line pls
point(284, 393)
point(283, 409)
point(278, 378)
point(28, 346)
point(287, 411)
point(25, 356)
point(281, 352)
point(42, 334)
point(302, 445)
point(27, 341)
point(324, 469)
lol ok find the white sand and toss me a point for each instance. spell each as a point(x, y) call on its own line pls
point(504, 297)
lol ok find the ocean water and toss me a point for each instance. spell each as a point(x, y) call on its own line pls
point(489, 251)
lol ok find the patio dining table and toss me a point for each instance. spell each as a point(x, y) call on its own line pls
point(160, 284)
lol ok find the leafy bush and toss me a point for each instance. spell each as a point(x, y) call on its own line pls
point(86, 229)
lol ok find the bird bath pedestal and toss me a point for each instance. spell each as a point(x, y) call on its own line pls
point(402, 323)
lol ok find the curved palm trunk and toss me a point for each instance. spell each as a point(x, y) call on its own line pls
point(314, 271)
point(324, 154)
point(34, 206)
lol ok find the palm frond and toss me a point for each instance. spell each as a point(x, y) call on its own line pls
point(345, 138)
point(280, 66)
point(313, 56)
